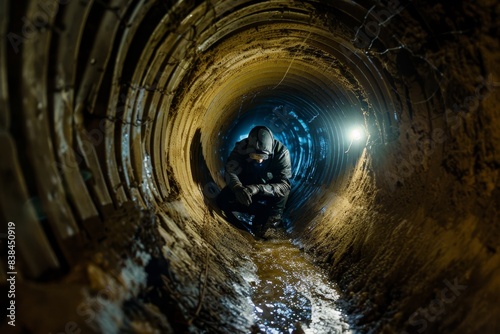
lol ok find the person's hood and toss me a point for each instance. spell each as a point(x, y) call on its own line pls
point(261, 140)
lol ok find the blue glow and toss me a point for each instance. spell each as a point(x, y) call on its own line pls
point(315, 138)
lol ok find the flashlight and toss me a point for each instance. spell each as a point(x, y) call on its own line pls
point(356, 134)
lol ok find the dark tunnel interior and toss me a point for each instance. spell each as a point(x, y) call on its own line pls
point(317, 153)
point(117, 117)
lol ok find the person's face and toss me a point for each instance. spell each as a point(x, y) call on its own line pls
point(258, 157)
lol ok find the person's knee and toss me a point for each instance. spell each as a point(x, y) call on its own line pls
point(279, 201)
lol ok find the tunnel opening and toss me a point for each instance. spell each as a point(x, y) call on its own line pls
point(118, 117)
point(317, 153)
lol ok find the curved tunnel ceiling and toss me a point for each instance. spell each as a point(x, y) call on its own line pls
point(147, 98)
point(292, 66)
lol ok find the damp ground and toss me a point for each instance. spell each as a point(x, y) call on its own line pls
point(290, 293)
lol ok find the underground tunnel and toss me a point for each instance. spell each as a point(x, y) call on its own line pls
point(117, 118)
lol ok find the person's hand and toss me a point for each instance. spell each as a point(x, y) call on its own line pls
point(243, 195)
point(253, 189)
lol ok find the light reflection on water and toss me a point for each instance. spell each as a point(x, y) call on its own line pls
point(292, 295)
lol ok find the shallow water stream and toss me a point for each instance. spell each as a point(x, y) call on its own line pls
point(291, 294)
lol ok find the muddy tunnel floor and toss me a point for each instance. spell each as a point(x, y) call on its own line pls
point(290, 294)
point(117, 118)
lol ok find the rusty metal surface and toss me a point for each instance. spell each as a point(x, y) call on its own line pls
point(36, 253)
point(40, 150)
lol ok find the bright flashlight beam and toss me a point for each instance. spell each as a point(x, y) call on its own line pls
point(356, 134)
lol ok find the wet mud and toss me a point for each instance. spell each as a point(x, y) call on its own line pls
point(290, 293)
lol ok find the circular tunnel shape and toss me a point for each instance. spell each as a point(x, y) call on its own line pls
point(120, 116)
point(226, 69)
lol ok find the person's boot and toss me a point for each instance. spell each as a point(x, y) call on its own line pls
point(274, 221)
point(271, 222)
point(258, 224)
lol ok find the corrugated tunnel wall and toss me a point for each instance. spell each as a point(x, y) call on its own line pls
point(117, 115)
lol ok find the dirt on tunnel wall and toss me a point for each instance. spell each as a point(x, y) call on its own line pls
point(110, 132)
point(414, 234)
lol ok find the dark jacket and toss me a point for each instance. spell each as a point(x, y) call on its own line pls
point(274, 173)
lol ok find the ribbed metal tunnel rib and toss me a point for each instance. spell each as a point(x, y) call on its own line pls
point(283, 68)
point(118, 115)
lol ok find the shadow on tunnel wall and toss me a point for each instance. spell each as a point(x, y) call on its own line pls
point(201, 174)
